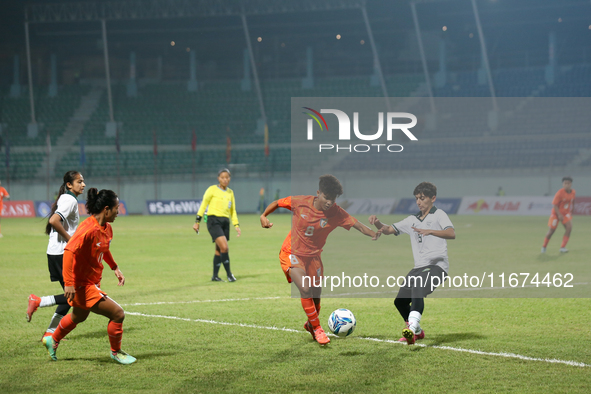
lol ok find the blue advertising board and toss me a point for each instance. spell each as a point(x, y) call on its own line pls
point(173, 207)
point(43, 208)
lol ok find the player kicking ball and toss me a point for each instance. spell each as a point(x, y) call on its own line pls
point(429, 229)
point(313, 218)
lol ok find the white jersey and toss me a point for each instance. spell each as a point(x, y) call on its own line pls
point(67, 208)
point(427, 249)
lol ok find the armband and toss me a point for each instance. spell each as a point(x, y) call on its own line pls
point(197, 219)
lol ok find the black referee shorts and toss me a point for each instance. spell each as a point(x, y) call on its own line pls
point(420, 282)
point(218, 227)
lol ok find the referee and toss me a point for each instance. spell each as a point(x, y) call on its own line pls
point(221, 205)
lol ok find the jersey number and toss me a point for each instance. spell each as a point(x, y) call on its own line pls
point(309, 231)
point(293, 259)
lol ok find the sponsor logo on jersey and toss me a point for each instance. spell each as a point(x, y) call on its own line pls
point(323, 222)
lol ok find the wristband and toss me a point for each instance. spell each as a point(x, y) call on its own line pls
point(197, 219)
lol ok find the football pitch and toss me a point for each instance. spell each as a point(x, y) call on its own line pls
point(193, 335)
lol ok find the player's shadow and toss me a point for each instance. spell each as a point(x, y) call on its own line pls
point(352, 354)
point(108, 360)
point(101, 333)
point(445, 339)
point(546, 258)
point(167, 290)
point(241, 276)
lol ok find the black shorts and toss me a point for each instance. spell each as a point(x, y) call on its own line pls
point(55, 264)
point(218, 227)
point(420, 282)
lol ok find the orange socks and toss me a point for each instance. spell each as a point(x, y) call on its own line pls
point(64, 327)
point(564, 241)
point(115, 331)
point(310, 309)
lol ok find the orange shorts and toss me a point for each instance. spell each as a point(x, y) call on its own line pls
point(553, 221)
point(87, 296)
point(311, 265)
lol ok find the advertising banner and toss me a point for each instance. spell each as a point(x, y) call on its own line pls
point(18, 209)
point(408, 206)
point(43, 208)
point(173, 207)
point(524, 206)
point(368, 206)
point(582, 206)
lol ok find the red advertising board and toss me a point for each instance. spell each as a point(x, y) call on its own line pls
point(18, 209)
point(582, 206)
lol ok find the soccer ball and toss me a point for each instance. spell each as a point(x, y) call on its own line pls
point(342, 322)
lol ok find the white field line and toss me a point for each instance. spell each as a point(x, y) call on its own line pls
point(199, 301)
point(503, 354)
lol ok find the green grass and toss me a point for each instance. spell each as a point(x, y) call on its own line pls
point(165, 262)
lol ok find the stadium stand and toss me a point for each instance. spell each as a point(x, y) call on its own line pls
point(220, 109)
point(52, 115)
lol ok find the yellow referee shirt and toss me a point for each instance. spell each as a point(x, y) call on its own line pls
point(219, 203)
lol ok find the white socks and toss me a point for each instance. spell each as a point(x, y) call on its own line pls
point(414, 320)
point(55, 321)
point(47, 301)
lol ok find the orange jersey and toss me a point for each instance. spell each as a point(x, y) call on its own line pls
point(89, 244)
point(3, 193)
point(564, 201)
point(310, 227)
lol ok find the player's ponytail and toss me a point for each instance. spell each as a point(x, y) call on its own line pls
point(69, 177)
point(96, 201)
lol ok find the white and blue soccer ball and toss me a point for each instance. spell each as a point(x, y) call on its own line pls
point(342, 322)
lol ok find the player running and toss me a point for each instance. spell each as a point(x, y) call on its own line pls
point(563, 205)
point(83, 271)
point(61, 225)
point(313, 218)
point(429, 229)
